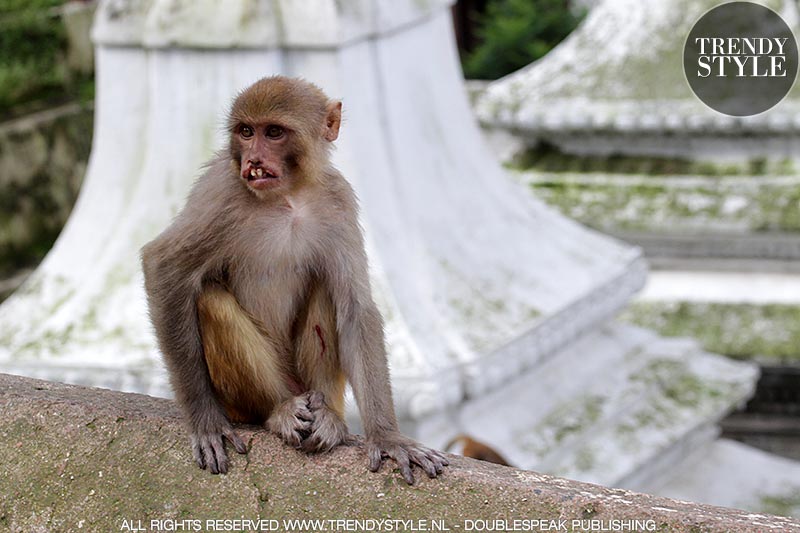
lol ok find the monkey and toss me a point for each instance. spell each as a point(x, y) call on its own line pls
point(259, 294)
point(476, 449)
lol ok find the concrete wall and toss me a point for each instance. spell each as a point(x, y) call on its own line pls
point(76, 458)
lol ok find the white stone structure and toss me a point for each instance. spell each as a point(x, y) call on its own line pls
point(616, 86)
point(498, 310)
point(468, 269)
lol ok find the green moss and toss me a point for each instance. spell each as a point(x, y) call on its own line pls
point(50, 341)
point(487, 319)
point(570, 419)
point(584, 460)
point(781, 505)
point(61, 301)
point(764, 332)
point(678, 385)
point(646, 203)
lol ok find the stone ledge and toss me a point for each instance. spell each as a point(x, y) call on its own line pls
point(86, 459)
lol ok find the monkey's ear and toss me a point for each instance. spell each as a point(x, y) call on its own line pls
point(332, 121)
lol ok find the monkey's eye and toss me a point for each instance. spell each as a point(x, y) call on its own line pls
point(246, 132)
point(274, 132)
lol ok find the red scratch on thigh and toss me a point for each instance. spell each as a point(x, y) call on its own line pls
point(321, 339)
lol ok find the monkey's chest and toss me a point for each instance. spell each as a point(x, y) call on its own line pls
point(270, 292)
point(272, 281)
point(273, 287)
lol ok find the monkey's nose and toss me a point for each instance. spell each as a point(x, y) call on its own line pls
point(254, 163)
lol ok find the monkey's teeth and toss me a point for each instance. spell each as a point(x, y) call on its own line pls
point(259, 172)
point(252, 173)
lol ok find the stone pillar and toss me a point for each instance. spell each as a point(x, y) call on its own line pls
point(477, 280)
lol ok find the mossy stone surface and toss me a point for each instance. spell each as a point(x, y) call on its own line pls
point(86, 459)
point(767, 333)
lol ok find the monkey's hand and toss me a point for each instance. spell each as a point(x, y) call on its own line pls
point(327, 429)
point(291, 420)
point(405, 452)
point(208, 447)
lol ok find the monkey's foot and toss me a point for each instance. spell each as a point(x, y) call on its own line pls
point(327, 429)
point(405, 452)
point(291, 420)
point(208, 447)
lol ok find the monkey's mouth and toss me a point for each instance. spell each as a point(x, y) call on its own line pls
point(260, 178)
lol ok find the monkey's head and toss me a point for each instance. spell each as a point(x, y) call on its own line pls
point(280, 134)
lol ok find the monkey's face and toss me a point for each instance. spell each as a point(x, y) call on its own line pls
point(281, 130)
point(262, 153)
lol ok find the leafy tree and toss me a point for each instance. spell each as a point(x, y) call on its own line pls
point(32, 40)
point(514, 33)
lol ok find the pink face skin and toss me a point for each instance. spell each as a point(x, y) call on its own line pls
point(263, 148)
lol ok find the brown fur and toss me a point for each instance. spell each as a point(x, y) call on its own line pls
point(242, 362)
point(477, 450)
point(259, 291)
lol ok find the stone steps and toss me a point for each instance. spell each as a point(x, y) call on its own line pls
point(603, 409)
point(681, 216)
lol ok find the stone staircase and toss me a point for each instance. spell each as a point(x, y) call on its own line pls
point(610, 406)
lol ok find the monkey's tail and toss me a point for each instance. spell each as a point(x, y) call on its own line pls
point(458, 439)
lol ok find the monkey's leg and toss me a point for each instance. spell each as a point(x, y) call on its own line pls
point(246, 369)
point(317, 359)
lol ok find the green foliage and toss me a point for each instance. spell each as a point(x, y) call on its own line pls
point(17, 6)
point(32, 40)
point(515, 33)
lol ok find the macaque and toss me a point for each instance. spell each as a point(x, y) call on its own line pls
point(476, 449)
point(260, 296)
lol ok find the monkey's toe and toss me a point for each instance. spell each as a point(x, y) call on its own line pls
point(328, 430)
point(209, 453)
point(292, 420)
point(316, 400)
point(406, 453)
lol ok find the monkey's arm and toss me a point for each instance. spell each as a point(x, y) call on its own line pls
point(363, 357)
point(174, 267)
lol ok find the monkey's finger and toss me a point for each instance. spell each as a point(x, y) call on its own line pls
point(302, 409)
point(301, 425)
point(197, 453)
point(444, 460)
point(304, 414)
point(208, 455)
point(375, 457)
point(235, 439)
point(322, 444)
point(304, 400)
point(316, 445)
point(316, 400)
point(426, 464)
point(436, 459)
point(401, 458)
point(218, 447)
point(222, 464)
point(292, 438)
point(309, 445)
point(408, 474)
